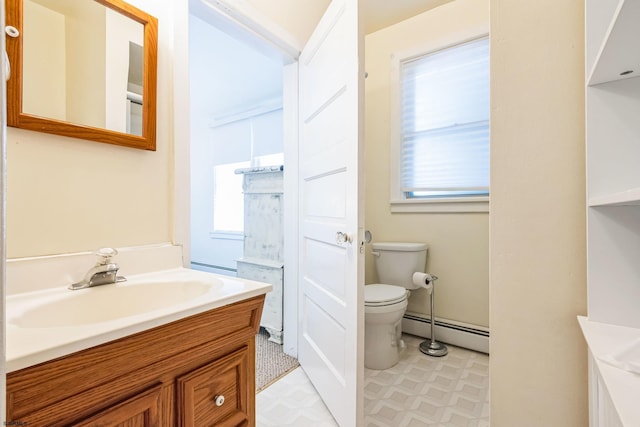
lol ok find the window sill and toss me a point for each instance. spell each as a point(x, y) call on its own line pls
point(444, 205)
point(226, 235)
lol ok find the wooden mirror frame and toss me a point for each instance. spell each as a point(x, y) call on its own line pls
point(17, 118)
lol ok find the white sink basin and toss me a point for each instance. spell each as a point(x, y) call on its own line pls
point(108, 302)
point(45, 322)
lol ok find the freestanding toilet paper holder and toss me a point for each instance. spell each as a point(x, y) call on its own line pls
point(432, 347)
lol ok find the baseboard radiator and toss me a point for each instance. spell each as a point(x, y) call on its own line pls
point(458, 334)
point(211, 268)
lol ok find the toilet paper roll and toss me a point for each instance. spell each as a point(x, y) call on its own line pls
point(423, 280)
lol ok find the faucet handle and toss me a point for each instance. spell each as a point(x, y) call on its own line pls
point(105, 254)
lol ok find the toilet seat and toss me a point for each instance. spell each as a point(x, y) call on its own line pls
point(382, 295)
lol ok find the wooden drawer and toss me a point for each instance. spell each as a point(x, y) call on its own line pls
point(141, 410)
point(216, 394)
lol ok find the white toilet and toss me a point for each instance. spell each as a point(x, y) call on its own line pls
point(386, 303)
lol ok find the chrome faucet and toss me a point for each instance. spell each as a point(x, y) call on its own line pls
point(103, 273)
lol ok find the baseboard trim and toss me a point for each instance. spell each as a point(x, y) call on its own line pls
point(446, 332)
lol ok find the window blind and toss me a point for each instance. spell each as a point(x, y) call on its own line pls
point(445, 122)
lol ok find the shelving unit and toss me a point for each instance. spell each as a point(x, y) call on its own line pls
point(612, 71)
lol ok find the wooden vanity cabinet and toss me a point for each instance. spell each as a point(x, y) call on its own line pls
point(194, 372)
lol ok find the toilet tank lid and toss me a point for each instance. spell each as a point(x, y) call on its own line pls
point(400, 247)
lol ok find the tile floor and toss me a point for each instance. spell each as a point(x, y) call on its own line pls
point(419, 391)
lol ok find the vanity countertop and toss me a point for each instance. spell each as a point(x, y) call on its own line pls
point(623, 386)
point(49, 323)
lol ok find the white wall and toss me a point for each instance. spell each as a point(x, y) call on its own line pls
point(227, 78)
point(230, 143)
point(458, 242)
point(538, 271)
point(68, 195)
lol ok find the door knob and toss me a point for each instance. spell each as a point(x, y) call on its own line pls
point(343, 238)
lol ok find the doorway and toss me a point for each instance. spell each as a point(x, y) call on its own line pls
point(294, 210)
point(236, 125)
point(238, 148)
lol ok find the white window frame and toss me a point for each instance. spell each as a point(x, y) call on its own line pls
point(398, 201)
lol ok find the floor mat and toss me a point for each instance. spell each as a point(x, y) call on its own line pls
point(271, 362)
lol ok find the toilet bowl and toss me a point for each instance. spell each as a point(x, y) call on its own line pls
point(386, 303)
point(383, 310)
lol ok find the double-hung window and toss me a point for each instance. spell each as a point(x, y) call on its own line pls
point(442, 132)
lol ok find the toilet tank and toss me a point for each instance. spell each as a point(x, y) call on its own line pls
point(396, 262)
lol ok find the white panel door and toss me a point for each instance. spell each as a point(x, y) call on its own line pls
point(331, 341)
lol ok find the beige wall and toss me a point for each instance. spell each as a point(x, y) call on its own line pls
point(64, 62)
point(68, 195)
point(538, 283)
point(44, 62)
point(84, 51)
point(458, 243)
point(299, 18)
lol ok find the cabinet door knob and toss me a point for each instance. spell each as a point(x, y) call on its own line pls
point(219, 400)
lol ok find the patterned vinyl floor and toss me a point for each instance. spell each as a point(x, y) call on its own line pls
point(419, 391)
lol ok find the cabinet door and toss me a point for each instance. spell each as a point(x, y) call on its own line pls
point(141, 410)
point(215, 394)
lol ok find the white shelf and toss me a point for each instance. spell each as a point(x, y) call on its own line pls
point(620, 49)
point(623, 387)
point(629, 197)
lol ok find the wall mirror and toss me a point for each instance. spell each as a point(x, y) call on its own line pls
point(83, 68)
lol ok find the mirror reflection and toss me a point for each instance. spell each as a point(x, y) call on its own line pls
point(83, 63)
point(84, 69)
